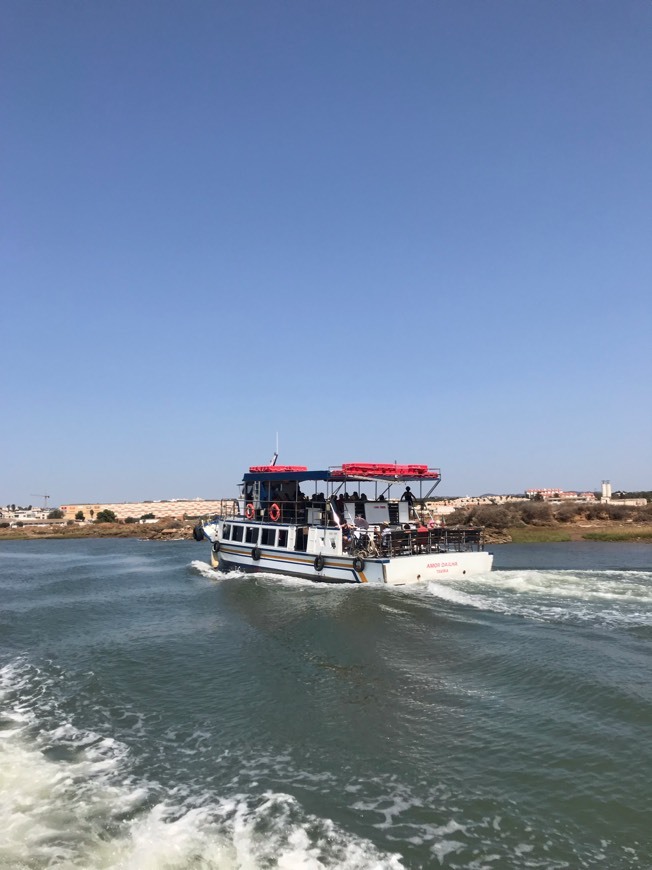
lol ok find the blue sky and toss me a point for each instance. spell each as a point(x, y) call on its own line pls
point(387, 231)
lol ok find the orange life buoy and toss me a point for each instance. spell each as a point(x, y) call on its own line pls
point(249, 511)
point(275, 513)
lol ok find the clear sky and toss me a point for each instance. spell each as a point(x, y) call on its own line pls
point(413, 231)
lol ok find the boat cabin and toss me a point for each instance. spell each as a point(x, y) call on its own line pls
point(345, 510)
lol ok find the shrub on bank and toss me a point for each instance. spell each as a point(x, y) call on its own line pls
point(567, 513)
point(540, 513)
point(643, 514)
point(537, 513)
point(492, 516)
point(106, 516)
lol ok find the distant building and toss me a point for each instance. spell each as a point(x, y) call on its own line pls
point(607, 497)
point(25, 514)
point(559, 495)
point(442, 507)
point(174, 509)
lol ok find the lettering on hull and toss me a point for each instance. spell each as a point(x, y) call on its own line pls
point(442, 565)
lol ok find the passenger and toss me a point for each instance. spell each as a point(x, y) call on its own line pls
point(363, 497)
point(381, 497)
point(408, 496)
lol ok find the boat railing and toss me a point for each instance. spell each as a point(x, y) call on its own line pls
point(413, 541)
point(410, 539)
point(228, 510)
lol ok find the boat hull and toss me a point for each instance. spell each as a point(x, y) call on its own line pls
point(398, 571)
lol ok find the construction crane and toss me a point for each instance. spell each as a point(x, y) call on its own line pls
point(44, 497)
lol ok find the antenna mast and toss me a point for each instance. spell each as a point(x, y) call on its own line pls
point(275, 456)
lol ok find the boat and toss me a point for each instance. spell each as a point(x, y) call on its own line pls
point(344, 524)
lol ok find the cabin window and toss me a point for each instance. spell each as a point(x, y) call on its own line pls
point(237, 533)
point(226, 531)
point(301, 539)
point(268, 538)
point(282, 537)
point(252, 534)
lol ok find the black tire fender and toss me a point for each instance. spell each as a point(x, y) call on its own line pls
point(198, 532)
point(319, 563)
point(255, 554)
point(358, 564)
point(216, 547)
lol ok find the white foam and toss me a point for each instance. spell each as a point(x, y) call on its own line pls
point(206, 570)
point(68, 799)
point(609, 598)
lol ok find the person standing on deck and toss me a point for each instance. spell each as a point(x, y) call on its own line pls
point(408, 496)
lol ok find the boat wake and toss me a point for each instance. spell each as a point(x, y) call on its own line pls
point(206, 570)
point(69, 797)
point(607, 598)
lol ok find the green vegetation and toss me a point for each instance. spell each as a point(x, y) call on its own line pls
point(56, 514)
point(148, 517)
point(540, 513)
point(80, 515)
point(526, 522)
point(628, 536)
point(538, 536)
point(106, 516)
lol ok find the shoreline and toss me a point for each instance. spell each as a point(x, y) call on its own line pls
point(600, 530)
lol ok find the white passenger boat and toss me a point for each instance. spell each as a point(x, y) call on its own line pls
point(346, 524)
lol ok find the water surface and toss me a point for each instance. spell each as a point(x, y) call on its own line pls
point(157, 714)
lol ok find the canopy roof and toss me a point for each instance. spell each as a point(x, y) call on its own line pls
point(358, 471)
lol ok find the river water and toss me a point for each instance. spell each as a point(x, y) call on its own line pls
point(157, 714)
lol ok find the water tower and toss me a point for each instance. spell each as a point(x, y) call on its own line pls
point(606, 490)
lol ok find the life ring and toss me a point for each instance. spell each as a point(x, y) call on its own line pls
point(319, 563)
point(249, 511)
point(275, 513)
point(198, 532)
point(432, 524)
point(216, 547)
point(358, 564)
point(255, 554)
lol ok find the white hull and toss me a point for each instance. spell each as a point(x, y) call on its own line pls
point(398, 571)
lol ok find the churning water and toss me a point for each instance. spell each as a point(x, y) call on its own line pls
point(157, 714)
